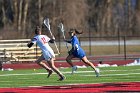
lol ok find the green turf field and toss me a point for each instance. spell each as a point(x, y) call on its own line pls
point(24, 78)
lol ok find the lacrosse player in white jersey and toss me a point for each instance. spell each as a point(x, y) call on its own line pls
point(48, 54)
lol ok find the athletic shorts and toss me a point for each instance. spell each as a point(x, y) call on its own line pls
point(48, 55)
point(80, 53)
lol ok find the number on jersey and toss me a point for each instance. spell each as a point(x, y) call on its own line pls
point(44, 40)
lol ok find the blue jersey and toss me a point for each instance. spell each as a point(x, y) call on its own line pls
point(77, 51)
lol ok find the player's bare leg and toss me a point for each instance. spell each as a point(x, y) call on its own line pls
point(68, 59)
point(56, 70)
point(86, 61)
point(42, 64)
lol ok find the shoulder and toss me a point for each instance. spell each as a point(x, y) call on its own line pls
point(75, 37)
point(34, 38)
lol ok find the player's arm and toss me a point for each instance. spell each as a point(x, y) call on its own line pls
point(68, 41)
point(30, 44)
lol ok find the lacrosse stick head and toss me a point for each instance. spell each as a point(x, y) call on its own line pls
point(46, 23)
point(61, 27)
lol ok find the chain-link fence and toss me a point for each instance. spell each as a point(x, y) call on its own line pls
point(123, 47)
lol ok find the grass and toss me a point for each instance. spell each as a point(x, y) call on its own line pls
point(25, 78)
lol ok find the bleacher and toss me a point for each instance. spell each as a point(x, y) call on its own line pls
point(14, 51)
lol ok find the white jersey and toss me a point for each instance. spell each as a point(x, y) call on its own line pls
point(42, 42)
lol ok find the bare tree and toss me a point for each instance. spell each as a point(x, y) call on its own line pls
point(25, 15)
point(39, 11)
point(3, 12)
point(101, 17)
point(20, 15)
point(15, 10)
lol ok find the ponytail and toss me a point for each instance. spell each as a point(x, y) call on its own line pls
point(77, 32)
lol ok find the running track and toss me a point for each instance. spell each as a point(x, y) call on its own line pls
point(82, 88)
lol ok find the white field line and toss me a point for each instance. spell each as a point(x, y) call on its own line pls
point(119, 70)
point(116, 74)
point(22, 74)
point(68, 72)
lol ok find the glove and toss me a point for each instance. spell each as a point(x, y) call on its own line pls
point(30, 45)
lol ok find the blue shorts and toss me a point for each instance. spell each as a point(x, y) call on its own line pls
point(80, 53)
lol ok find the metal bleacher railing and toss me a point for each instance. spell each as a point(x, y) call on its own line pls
point(17, 51)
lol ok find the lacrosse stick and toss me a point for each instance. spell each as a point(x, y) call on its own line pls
point(63, 33)
point(47, 24)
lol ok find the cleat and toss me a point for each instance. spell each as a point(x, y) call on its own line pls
point(62, 78)
point(97, 72)
point(74, 68)
point(49, 73)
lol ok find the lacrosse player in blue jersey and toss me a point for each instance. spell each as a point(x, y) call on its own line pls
point(78, 52)
point(48, 54)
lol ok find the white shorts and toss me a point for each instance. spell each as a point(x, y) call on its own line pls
point(48, 55)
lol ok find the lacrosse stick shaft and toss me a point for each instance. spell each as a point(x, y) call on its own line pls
point(62, 30)
point(56, 47)
point(47, 24)
point(55, 43)
point(66, 42)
